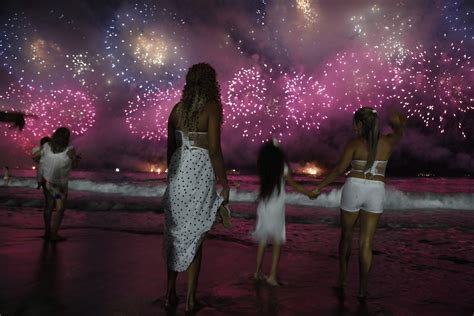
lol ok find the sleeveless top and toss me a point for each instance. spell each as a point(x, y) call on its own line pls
point(55, 167)
point(377, 169)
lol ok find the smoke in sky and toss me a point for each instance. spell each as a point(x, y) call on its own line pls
point(294, 70)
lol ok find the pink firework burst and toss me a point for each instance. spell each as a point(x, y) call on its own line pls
point(147, 114)
point(356, 79)
point(49, 110)
point(255, 98)
point(307, 101)
point(438, 85)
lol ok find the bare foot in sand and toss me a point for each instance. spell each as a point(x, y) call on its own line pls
point(193, 306)
point(273, 281)
point(171, 301)
point(362, 297)
point(258, 276)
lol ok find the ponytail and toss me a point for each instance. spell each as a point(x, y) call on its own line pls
point(370, 131)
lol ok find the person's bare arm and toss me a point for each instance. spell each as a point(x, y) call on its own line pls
point(295, 185)
point(171, 145)
point(36, 154)
point(341, 166)
point(75, 158)
point(17, 118)
point(215, 150)
point(397, 122)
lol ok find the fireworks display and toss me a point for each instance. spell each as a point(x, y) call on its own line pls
point(385, 30)
point(438, 85)
point(298, 64)
point(46, 111)
point(147, 114)
point(146, 45)
point(255, 105)
point(34, 57)
point(458, 17)
point(357, 79)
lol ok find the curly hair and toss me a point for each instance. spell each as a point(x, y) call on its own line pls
point(370, 131)
point(200, 89)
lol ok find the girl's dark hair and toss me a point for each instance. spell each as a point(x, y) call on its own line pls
point(201, 88)
point(44, 140)
point(370, 131)
point(60, 140)
point(270, 166)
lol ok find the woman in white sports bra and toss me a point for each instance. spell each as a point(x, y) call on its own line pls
point(364, 190)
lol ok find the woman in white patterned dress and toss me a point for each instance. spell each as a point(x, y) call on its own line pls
point(194, 160)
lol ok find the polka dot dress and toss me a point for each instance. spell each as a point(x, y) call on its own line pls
point(190, 203)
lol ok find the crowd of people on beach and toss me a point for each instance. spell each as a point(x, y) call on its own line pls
point(192, 204)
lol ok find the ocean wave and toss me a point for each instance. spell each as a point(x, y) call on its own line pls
point(394, 198)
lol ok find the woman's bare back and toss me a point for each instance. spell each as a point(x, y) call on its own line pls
point(384, 149)
point(177, 120)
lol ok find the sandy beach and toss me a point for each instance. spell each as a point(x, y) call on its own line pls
point(112, 264)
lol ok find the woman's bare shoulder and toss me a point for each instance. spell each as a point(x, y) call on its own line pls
point(385, 138)
point(212, 107)
point(174, 113)
point(357, 142)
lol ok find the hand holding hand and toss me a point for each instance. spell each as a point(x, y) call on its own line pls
point(314, 194)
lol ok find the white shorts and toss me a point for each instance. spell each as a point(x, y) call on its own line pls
point(361, 194)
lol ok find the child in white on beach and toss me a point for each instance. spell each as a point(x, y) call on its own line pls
point(57, 159)
point(36, 156)
point(273, 173)
point(6, 175)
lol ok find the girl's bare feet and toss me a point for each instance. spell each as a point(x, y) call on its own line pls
point(362, 297)
point(171, 300)
point(193, 306)
point(258, 276)
point(273, 281)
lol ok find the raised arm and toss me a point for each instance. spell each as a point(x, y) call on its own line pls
point(17, 118)
point(397, 122)
point(215, 150)
point(171, 145)
point(341, 166)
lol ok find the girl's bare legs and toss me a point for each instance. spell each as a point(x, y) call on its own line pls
point(272, 278)
point(193, 278)
point(48, 209)
point(171, 297)
point(368, 224)
point(57, 219)
point(348, 221)
point(260, 252)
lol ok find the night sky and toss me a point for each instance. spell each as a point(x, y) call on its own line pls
point(294, 70)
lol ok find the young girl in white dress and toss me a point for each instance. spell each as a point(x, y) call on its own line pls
point(273, 173)
point(57, 159)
